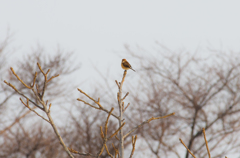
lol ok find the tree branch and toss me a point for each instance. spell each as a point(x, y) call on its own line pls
point(147, 121)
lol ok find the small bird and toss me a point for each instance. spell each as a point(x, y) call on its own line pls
point(125, 65)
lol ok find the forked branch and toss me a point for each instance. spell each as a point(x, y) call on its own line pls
point(134, 139)
point(104, 137)
point(39, 97)
point(208, 151)
point(100, 107)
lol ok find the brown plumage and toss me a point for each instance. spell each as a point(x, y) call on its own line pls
point(125, 65)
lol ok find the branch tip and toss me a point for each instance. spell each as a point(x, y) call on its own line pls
point(50, 105)
point(48, 71)
point(187, 148)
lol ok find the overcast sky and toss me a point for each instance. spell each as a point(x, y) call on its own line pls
point(96, 30)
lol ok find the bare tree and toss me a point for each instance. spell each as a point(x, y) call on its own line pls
point(204, 92)
point(37, 99)
point(83, 132)
point(4, 53)
point(120, 118)
point(37, 141)
point(13, 113)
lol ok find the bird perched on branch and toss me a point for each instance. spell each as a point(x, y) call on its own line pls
point(125, 65)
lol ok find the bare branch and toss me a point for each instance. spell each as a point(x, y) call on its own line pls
point(104, 136)
point(58, 135)
point(97, 102)
point(147, 121)
point(82, 154)
point(117, 83)
point(106, 127)
point(9, 84)
point(16, 121)
point(29, 87)
point(50, 105)
point(100, 106)
point(134, 139)
point(52, 77)
point(34, 80)
point(116, 151)
point(47, 111)
point(209, 155)
point(115, 133)
point(121, 108)
point(88, 104)
point(27, 105)
point(187, 148)
point(126, 107)
point(108, 151)
point(125, 95)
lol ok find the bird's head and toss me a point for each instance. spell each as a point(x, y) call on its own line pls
point(124, 60)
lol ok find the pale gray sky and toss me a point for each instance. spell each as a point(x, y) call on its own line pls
point(95, 30)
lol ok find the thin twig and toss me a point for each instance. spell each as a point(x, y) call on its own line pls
point(45, 81)
point(27, 105)
point(40, 68)
point(115, 133)
point(101, 132)
point(53, 77)
point(125, 95)
point(83, 154)
point(97, 102)
point(50, 105)
point(134, 139)
point(106, 127)
point(34, 80)
point(101, 151)
point(104, 136)
point(209, 155)
point(103, 143)
point(88, 103)
point(117, 83)
point(108, 151)
point(126, 107)
point(116, 150)
point(29, 87)
point(147, 121)
point(9, 84)
point(100, 106)
point(187, 148)
point(16, 121)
